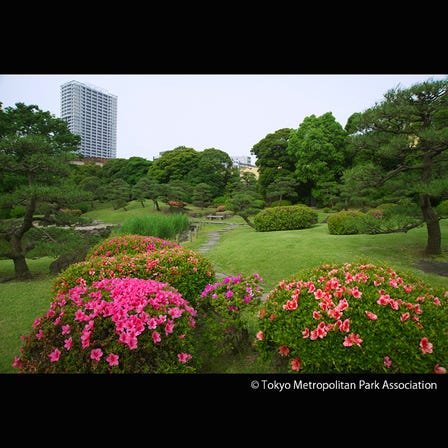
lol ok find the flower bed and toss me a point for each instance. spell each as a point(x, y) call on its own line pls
point(355, 318)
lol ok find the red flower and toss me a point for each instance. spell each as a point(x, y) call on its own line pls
point(295, 364)
point(425, 346)
point(283, 350)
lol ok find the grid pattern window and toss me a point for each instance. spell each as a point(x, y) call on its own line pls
point(91, 112)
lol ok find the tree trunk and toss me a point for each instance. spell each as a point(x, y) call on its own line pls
point(434, 242)
point(21, 268)
point(246, 219)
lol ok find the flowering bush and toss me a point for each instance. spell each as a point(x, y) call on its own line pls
point(118, 325)
point(355, 318)
point(223, 310)
point(187, 271)
point(129, 245)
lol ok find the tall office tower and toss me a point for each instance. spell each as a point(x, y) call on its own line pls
point(91, 112)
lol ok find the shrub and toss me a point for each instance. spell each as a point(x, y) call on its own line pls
point(346, 222)
point(442, 209)
point(161, 226)
point(222, 313)
point(187, 271)
point(281, 203)
point(129, 245)
point(355, 318)
point(285, 218)
point(113, 326)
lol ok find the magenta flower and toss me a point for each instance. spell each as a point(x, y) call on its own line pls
point(229, 294)
point(184, 357)
point(156, 337)
point(387, 362)
point(65, 329)
point(40, 334)
point(96, 354)
point(112, 359)
point(68, 343)
point(54, 355)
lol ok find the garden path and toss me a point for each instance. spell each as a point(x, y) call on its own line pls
point(213, 238)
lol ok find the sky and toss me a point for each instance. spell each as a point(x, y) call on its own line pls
point(228, 112)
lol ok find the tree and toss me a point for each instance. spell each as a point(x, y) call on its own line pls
point(148, 188)
point(319, 148)
point(244, 199)
point(35, 148)
point(273, 160)
point(406, 134)
point(174, 165)
point(119, 192)
point(282, 188)
point(202, 195)
point(214, 167)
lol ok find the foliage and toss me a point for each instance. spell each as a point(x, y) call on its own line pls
point(292, 217)
point(35, 148)
point(355, 318)
point(202, 195)
point(129, 245)
point(187, 271)
point(157, 225)
point(442, 209)
point(112, 326)
point(119, 193)
point(319, 150)
point(282, 188)
point(347, 222)
point(222, 313)
point(405, 137)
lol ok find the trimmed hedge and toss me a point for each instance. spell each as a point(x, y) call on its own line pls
point(294, 217)
point(348, 222)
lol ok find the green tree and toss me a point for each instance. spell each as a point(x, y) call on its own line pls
point(282, 188)
point(245, 200)
point(202, 195)
point(319, 148)
point(35, 148)
point(119, 192)
point(214, 168)
point(273, 159)
point(148, 188)
point(174, 165)
point(407, 134)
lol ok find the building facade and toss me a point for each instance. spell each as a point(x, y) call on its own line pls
point(91, 112)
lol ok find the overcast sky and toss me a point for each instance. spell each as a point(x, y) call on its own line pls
point(228, 112)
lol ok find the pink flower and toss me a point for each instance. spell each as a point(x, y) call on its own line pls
point(316, 315)
point(229, 294)
point(54, 355)
point(425, 346)
point(260, 335)
point(65, 329)
point(156, 337)
point(387, 362)
point(352, 339)
point(112, 359)
point(96, 354)
point(295, 364)
point(404, 317)
point(68, 343)
point(371, 315)
point(290, 305)
point(184, 357)
point(356, 293)
point(306, 333)
point(437, 301)
point(40, 334)
point(17, 362)
point(283, 350)
point(439, 369)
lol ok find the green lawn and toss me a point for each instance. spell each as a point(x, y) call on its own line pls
point(278, 255)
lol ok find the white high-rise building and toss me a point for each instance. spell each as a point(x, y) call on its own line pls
point(91, 112)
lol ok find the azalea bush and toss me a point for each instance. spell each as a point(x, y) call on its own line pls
point(129, 245)
point(117, 325)
point(355, 318)
point(292, 217)
point(187, 271)
point(224, 309)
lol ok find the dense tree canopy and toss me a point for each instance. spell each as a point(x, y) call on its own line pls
point(318, 147)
